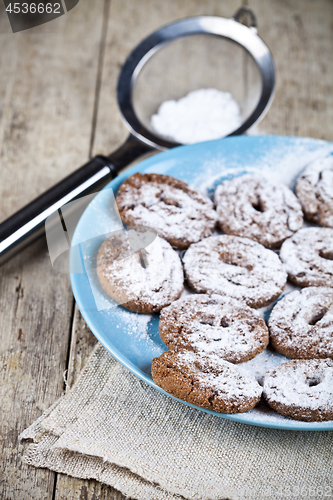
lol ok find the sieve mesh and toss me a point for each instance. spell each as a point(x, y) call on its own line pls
point(193, 62)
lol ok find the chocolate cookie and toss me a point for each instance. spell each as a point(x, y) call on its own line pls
point(143, 282)
point(252, 207)
point(180, 214)
point(236, 267)
point(308, 257)
point(314, 188)
point(210, 382)
point(301, 324)
point(218, 325)
point(301, 389)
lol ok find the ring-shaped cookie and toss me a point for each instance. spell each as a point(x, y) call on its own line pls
point(236, 267)
point(301, 324)
point(314, 189)
point(144, 281)
point(301, 389)
point(179, 213)
point(252, 207)
point(210, 382)
point(223, 326)
point(308, 257)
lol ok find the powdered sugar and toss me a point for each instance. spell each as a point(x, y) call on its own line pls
point(237, 267)
point(302, 385)
point(220, 375)
point(214, 324)
point(301, 324)
point(307, 257)
point(134, 324)
point(202, 115)
point(153, 284)
point(180, 214)
point(315, 190)
point(280, 163)
point(261, 363)
point(252, 207)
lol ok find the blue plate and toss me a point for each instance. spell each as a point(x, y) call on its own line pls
point(133, 338)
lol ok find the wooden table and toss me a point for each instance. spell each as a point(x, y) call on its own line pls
point(57, 108)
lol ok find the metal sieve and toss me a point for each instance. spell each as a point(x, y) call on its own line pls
point(193, 53)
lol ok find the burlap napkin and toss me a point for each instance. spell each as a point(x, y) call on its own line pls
point(114, 428)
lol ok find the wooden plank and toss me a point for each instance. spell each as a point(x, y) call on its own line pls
point(47, 102)
point(299, 33)
point(47, 92)
point(84, 490)
point(35, 320)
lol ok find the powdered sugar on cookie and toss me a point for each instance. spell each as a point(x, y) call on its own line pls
point(301, 324)
point(214, 325)
point(180, 214)
point(145, 281)
point(314, 188)
point(308, 257)
point(236, 267)
point(210, 382)
point(220, 375)
point(301, 389)
point(252, 207)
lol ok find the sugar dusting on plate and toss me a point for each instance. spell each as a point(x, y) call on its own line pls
point(134, 324)
point(279, 164)
point(282, 164)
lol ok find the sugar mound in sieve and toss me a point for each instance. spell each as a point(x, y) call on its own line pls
point(201, 115)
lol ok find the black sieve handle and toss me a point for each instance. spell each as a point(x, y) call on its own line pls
point(27, 224)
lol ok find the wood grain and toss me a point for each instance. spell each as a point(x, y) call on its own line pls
point(58, 106)
point(300, 36)
point(47, 95)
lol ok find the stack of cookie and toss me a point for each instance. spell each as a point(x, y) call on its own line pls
point(209, 332)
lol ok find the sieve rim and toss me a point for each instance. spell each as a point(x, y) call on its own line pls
point(231, 29)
